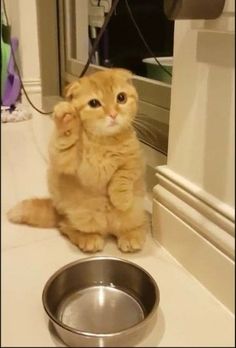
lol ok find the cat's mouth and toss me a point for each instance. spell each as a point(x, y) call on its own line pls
point(113, 123)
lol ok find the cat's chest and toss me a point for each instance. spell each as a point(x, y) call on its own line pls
point(97, 165)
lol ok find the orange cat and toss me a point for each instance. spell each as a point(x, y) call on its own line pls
point(95, 175)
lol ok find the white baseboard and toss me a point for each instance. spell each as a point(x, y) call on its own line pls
point(196, 234)
point(34, 91)
point(195, 191)
point(32, 86)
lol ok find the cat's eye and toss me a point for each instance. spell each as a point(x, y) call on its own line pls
point(121, 98)
point(94, 103)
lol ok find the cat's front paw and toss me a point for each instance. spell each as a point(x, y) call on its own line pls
point(121, 200)
point(67, 124)
point(66, 119)
point(120, 191)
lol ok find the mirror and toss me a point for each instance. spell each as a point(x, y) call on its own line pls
point(138, 32)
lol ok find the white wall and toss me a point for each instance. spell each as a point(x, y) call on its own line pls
point(23, 19)
point(193, 207)
point(201, 138)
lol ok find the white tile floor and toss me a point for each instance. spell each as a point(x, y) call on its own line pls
point(189, 316)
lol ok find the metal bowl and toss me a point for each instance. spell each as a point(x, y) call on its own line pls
point(101, 302)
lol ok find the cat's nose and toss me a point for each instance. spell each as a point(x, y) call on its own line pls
point(113, 114)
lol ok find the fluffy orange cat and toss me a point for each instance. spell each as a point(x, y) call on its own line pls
point(96, 172)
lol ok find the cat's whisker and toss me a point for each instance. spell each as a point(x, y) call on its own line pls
point(152, 132)
point(142, 127)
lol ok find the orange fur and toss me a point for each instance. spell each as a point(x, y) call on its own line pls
point(96, 176)
point(35, 212)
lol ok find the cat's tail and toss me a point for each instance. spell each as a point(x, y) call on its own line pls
point(38, 212)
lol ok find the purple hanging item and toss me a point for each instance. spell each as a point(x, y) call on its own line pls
point(12, 85)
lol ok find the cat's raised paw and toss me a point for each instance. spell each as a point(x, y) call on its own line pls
point(63, 108)
point(65, 118)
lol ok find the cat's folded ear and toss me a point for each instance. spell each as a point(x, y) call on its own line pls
point(123, 73)
point(72, 90)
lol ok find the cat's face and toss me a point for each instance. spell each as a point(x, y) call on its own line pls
point(106, 101)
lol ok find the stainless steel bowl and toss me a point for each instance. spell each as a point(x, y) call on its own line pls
point(101, 302)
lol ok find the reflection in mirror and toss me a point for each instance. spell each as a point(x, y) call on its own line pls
point(138, 33)
point(121, 46)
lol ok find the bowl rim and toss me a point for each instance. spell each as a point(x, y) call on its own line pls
point(78, 332)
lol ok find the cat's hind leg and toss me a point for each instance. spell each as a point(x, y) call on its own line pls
point(87, 242)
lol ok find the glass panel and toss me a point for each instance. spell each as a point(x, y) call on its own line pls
point(121, 45)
